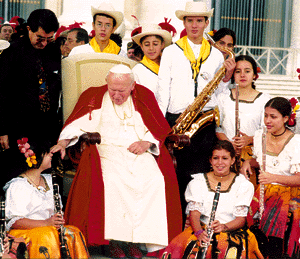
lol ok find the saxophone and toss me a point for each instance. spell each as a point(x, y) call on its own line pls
point(192, 119)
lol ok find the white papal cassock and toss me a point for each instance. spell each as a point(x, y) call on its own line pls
point(135, 203)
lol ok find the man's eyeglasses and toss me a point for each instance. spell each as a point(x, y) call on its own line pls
point(42, 39)
point(106, 25)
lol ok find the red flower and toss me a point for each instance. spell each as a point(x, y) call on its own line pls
point(24, 148)
point(22, 141)
point(293, 102)
point(292, 119)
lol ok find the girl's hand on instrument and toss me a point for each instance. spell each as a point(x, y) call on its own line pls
point(217, 226)
point(242, 141)
point(6, 246)
point(55, 220)
point(265, 177)
point(203, 237)
point(238, 150)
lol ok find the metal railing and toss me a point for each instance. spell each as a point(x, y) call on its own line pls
point(273, 61)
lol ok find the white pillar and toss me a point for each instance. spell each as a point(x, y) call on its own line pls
point(54, 6)
point(295, 34)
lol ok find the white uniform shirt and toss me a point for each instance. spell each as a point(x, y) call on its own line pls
point(144, 76)
point(176, 86)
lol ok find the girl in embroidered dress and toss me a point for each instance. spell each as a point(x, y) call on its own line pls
point(281, 216)
point(29, 208)
point(250, 109)
point(152, 40)
point(230, 238)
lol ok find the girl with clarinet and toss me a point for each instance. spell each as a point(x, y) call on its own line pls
point(226, 236)
point(30, 208)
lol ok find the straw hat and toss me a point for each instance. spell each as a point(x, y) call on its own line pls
point(4, 44)
point(107, 8)
point(194, 9)
point(153, 29)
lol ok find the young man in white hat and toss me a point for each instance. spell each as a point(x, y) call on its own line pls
point(185, 69)
point(105, 21)
point(152, 40)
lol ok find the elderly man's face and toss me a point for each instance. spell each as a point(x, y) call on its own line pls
point(119, 87)
point(130, 54)
point(5, 32)
point(71, 41)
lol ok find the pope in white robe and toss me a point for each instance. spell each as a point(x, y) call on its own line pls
point(135, 194)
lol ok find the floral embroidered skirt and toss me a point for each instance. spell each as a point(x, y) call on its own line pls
point(281, 216)
point(234, 244)
point(43, 242)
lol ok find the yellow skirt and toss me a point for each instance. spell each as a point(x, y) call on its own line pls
point(43, 242)
point(234, 244)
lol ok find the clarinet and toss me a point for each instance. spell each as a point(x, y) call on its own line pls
point(2, 226)
point(209, 230)
point(263, 168)
point(64, 250)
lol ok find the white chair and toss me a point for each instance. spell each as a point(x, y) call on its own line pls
point(81, 71)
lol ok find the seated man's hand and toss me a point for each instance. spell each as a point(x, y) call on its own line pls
point(60, 147)
point(139, 147)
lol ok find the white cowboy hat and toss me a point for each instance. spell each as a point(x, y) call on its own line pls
point(4, 44)
point(153, 29)
point(107, 8)
point(194, 9)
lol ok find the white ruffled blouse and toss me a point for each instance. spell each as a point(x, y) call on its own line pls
point(232, 203)
point(287, 162)
point(23, 200)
